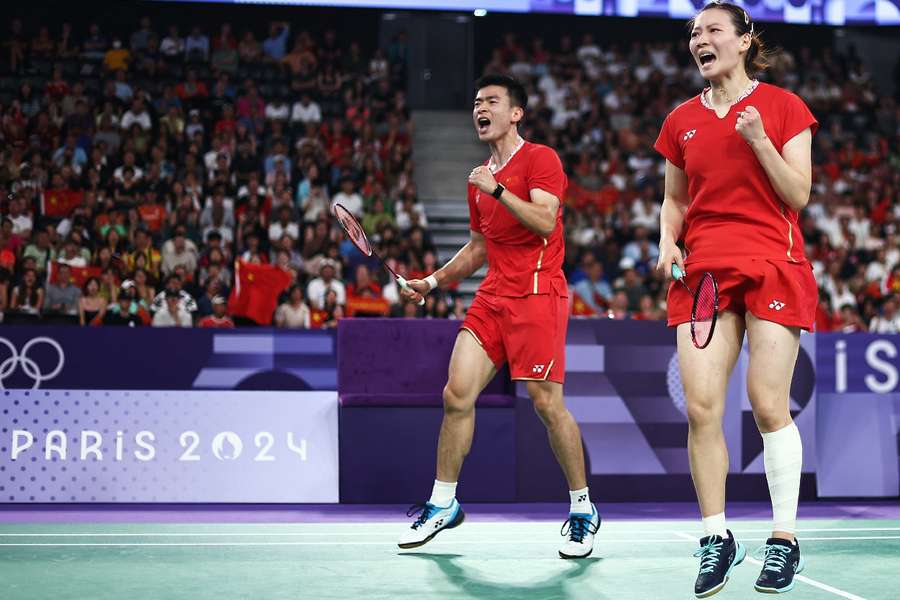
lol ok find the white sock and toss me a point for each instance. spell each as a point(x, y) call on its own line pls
point(580, 502)
point(715, 525)
point(783, 457)
point(443, 493)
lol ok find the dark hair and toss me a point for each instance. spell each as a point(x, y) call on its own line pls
point(88, 282)
point(517, 94)
point(32, 290)
point(758, 57)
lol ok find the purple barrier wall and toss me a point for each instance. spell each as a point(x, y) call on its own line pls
point(166, 359)
point(622, 386)
point(391, 374)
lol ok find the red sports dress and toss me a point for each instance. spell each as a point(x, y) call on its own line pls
point(736, 226)
point(521, 310)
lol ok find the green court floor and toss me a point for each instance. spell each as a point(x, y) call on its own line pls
point(480, 560)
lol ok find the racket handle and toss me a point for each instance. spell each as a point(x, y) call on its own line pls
point(402, 281)
point(677, 273)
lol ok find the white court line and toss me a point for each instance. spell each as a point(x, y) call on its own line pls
point(202, 534)
point(331, 543)
point(804, 579)
point(601, 541)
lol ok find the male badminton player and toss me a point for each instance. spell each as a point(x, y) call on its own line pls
point(519, 314)
point(738, 171)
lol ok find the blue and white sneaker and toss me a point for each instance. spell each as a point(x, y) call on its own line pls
point(718, 556)
point(431, 520)
point(579, 529)
point(782, 562)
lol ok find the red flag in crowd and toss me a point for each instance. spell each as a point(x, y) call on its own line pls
point(580, 308)
point(80, 275)
point(256, 290)
point(317, 318)
point(60, 203)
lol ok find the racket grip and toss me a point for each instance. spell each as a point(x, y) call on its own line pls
point(677, 273)
point(402, 281)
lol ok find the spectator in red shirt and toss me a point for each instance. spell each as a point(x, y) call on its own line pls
point(219, 319)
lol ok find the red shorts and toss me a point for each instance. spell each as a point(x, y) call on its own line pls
point(527, 331)
point(774, 290)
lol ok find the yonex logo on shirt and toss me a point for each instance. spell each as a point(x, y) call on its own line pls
point(688, 135)
point(538, 369)
point(776, 304)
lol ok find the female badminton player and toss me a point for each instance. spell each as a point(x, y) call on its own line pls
point(738, 171)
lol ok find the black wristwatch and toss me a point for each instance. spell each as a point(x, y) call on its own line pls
point(498, 191)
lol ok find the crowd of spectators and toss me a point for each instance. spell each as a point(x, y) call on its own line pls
point(137, 168)
point(601, 107)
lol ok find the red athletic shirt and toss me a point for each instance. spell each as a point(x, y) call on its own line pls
point(734, 211)
point(520, 262)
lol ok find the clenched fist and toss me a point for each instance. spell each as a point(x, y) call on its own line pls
point(750, 126)
point(482, 178)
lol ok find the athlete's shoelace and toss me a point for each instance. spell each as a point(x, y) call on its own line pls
point(775, 556)
point(577, 528)
point(423, 510)
point(709, 555)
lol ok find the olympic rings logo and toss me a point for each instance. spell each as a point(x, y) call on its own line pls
point(31, 368)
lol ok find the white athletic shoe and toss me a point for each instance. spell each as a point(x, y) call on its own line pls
point(430, 521)
point(580, 530)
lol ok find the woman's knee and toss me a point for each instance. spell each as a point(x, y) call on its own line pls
point(771, 416)
point(771, 407)
point(705, 411)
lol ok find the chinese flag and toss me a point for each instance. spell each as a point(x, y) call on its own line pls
point(580, 308)
point(60, 203)
point(80, 275)
point(317, 318)
point(256, 290)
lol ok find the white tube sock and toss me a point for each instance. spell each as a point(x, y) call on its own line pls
point(715, 525)
point(580, 502)
point(443, 493)
point(783, 457)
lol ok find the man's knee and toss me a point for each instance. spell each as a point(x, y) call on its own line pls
point(457, 399)
point(546, 401)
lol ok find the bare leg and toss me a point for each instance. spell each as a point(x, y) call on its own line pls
point(704, 374)
point(470, 370)
point(563, 431)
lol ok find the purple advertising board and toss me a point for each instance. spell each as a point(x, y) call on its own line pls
point(622, 386)
point(858, 415)
point(168, 446)
point(72, 358)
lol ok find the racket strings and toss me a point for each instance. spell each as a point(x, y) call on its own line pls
point(705, 307)
point(706, 301)
point(354, 230)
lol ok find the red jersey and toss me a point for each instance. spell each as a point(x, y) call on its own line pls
point(520, 262)
point(734, 211)
point(214, 322)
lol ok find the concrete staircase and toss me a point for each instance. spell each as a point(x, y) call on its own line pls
point(445, 149)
